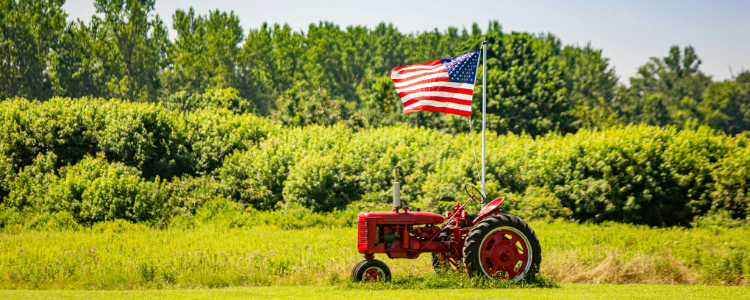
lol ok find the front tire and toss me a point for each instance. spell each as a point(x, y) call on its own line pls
point(502, 247)
point(371, 270)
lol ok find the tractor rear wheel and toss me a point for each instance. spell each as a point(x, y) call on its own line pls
point(502, 247)
point(371, 270)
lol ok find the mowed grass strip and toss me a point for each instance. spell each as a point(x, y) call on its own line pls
point(137, 257)
point(573, 291)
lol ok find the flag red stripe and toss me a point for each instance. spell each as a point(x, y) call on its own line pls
point(439, 79)
point(422, 68)
point(439, 99)
point(439, 109)
point(438, 89)
point(431, 63)
point(420, 75)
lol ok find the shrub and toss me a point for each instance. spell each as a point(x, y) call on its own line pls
point(6, 176)
point(189, 193)
point(732, 184)
point(216, 98)
point(536, 203)
point(506, 156)
point(69, 128)
point(91, 191)
point(637, 174)
point(157, 141)
point(222, 212)
point(256, 177)
point(228, 98)
point(321, 183)
point(214, 134)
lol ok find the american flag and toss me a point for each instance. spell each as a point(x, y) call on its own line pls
point(442, 85)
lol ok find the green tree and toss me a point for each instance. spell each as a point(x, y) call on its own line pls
point(725, 107)
point(29, 30)
point(525, 87)
point(75, 70)
point(590, 83)
point(206, 52)
point(677, 78)
point(303, 105)
point(137, 41)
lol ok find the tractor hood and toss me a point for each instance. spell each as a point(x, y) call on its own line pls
point(412, 218)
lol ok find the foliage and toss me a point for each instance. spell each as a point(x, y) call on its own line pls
point(146, 136)
point(525, 86)
point(227, 98)
point(672, 90)
point(90, 191)
point(6, 175)
point(536, 203)
point(137, 43)
point(330, 74)
point(29, 31)
point(634, 174)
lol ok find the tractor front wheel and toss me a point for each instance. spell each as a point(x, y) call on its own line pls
point(371, 270)
point(502, 247)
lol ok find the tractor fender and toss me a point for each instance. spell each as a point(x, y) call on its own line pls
point(491, 208)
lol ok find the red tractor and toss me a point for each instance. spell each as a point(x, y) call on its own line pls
point(491, 244)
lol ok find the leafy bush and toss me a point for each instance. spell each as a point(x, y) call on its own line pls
point(718, 219)
point(6, 176)
point(257, 176)
point(222, 212)
point(732, 184)
point(211, 135)
point(156, 141)
point(91, 191)
point(635, 174)
point(216, 98)
point(190, 193)
point(320, 183)
point(536, 203)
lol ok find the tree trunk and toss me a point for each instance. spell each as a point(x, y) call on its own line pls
point(130, 81)
point(10, 73)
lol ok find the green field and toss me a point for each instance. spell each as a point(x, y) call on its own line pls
point(574, 291)
point(123, 256)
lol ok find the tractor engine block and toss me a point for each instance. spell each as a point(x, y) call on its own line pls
point(398, 234)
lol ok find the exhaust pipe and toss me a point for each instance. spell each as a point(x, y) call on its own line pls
point(396, 189)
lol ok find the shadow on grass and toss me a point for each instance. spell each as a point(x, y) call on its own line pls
point(453, 280)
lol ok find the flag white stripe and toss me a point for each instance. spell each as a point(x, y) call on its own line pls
point(437, 94)
point(438, 104)
point(418, 67)
point(431, 76)
point(408, 75)
point(459, 85)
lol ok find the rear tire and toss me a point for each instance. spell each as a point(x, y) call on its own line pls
point(502, 247)
point(371, 270)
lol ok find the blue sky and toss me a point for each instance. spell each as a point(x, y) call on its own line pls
point(628, 32)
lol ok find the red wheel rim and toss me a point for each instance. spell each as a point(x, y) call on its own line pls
point(373, 274)
point(504, 254)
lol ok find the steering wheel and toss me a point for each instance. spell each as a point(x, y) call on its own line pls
point(473, 191)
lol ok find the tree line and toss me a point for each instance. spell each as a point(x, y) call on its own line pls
point(328, 74)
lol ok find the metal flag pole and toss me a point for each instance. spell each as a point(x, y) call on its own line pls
point(484, 110)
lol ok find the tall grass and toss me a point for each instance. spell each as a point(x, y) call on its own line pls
point(119, 255)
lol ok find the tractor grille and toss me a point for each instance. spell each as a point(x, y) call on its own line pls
point(362, 234)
